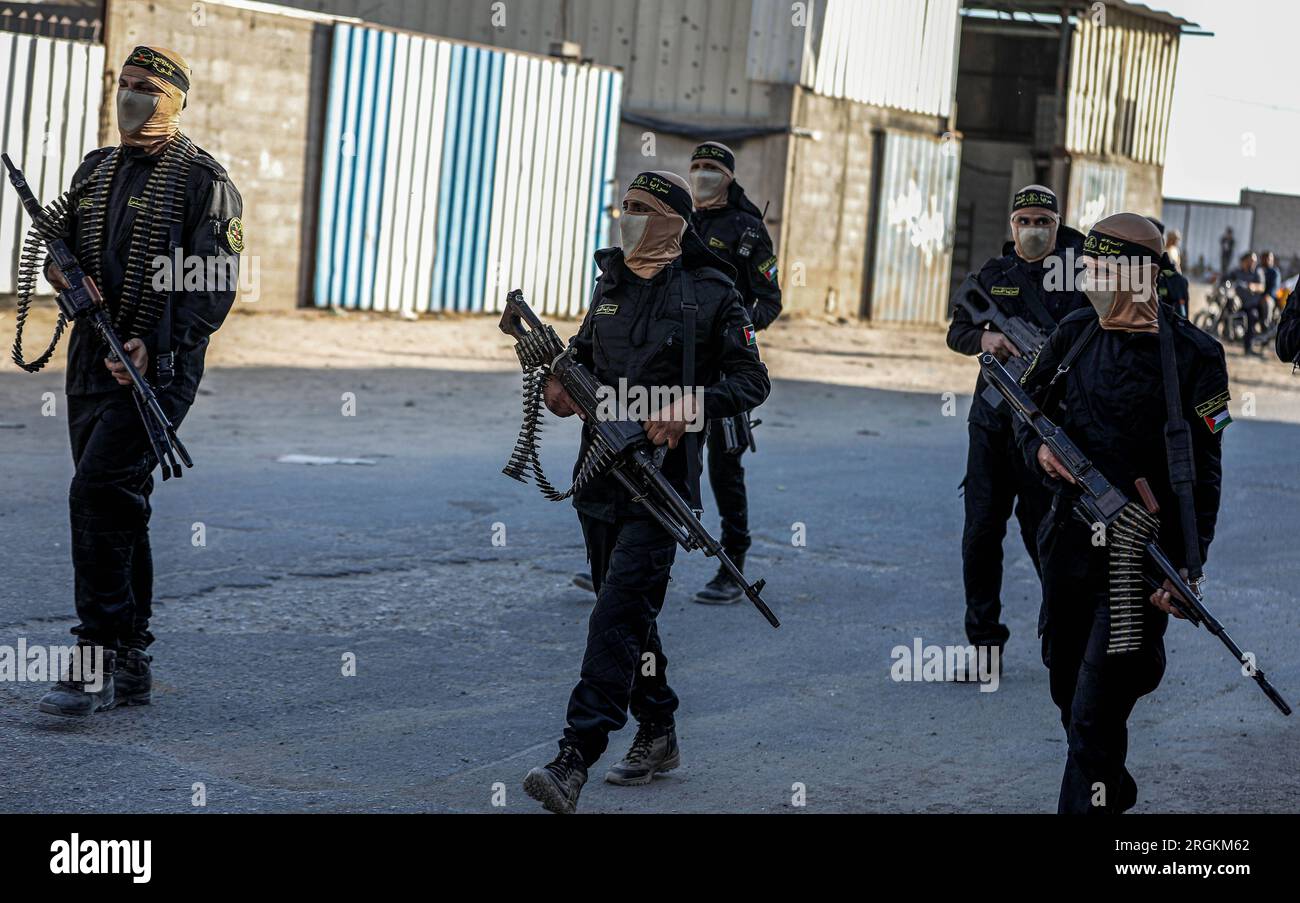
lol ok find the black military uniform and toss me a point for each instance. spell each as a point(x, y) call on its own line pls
point(736, 233)
point(1111, 403)
point(996, 479)
point(156, 224)
point(635, 331)
point(1288, 332)
point(109, 499)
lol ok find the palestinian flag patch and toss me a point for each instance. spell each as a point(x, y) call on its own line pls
point(749, 334)
point(1215, 413)
point(768, 269)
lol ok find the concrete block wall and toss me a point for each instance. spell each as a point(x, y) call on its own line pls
point(1277, 225)
point(830, 204)
point(253, 105)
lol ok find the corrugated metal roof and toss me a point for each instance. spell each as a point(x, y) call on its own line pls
point(1079, 7)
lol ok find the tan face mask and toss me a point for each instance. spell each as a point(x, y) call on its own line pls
point(154, 130)
point(655, 237)
point(709, 184)
point(1123, 295)
point(1033, 243)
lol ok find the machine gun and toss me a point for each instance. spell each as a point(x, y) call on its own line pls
point(1099, 502)
point(83, 301)
point(618, 447)
point(1027, 337)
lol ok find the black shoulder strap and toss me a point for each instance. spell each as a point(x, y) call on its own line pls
point(166, 371)
point(689, 311)
point(1030, 293)
point(1178, 447)
point(1073, 354)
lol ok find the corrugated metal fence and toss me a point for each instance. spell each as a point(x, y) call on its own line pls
point(1203, 225)
point(49, 120)
point(915, 221)
point(454, 173)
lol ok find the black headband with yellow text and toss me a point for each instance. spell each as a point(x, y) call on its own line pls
point(1032, 197)
point(159, 65)
point(1107, 246)
point(676, 197)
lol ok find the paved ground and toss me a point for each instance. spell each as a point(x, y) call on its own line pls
point(466, 651)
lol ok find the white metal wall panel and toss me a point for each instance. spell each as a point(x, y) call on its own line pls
point(890, 53)
point(1097, 190)
point(1121, 86)
point(454, 173)
point(49, 119)
point(915, 221)
point(1202, 225)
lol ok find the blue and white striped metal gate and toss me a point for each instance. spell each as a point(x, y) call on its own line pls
point(453, 173)
point(49, 120)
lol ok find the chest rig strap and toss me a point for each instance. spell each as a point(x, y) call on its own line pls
point(690, 310)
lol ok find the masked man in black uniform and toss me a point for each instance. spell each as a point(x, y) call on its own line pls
point(1032, 281)
point(732, 228)
point(1102, 379)
point(151, 198)
point(662, 279)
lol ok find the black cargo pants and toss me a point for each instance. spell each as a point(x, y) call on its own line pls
point(624, 665)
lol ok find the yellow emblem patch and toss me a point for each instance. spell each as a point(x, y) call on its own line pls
point(235, 235)
point(1008, 290)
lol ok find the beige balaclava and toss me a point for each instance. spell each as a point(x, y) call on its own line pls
point(147, 120)
point(653, 240)
point(1121, 258)
point(713, 169)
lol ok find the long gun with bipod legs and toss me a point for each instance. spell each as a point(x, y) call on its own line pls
point(1132, 525)
point(618, 447)
point(83, 301)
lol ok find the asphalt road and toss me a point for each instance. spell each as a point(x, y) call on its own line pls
point(466, 651)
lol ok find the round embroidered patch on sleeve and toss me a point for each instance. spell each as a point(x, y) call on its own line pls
point(235, 235)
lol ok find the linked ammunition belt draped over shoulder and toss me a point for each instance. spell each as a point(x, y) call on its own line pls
point(155, 233)
point(51, 225)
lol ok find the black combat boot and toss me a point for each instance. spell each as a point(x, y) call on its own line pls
point(654, 750)
point(722, 590)
point(583, 581)
point(556, 786)
point(74, 699)
point(134, 679)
